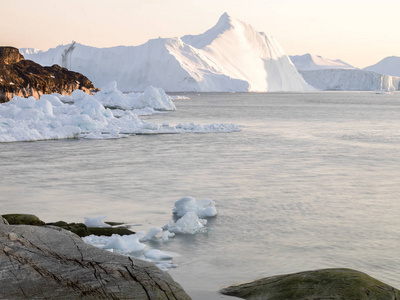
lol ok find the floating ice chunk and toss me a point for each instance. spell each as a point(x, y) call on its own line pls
point(204, 208)
point(177, 97)
point(96, 222)
point(157, 255)
point(125, 244)
point(166, 235)
point(188, 224)
point(153, 233)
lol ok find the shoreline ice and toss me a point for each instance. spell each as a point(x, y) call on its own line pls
point(86, 116)
point(190, 216)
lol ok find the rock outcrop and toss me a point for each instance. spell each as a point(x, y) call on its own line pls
point(24, 78)
point(326, 284)
point(39, 262)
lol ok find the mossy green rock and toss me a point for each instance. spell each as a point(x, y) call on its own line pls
point(332, 284)
point(23, 219)
point(82, 230)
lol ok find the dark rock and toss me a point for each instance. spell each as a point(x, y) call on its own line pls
point(332, 284)
point(52, 263)
point(18, 219)
point(26, 78)
point(109, 231)
point(82, 230)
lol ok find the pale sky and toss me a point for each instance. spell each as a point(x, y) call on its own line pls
point(359, 32)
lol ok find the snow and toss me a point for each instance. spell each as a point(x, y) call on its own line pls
point(187, 210)
point(230, 57)
point(309, 62)
point(389, 65)
point(28, 119)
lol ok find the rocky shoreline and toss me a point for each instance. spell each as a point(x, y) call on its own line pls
point(49, 262)
point(41, 260)
point(25, 78)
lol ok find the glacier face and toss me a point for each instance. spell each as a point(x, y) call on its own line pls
point(350, 80)
point(230, 57)
point(336, 75)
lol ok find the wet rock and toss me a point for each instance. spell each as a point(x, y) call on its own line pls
point(52, 263)
point(24, 78)
point(18, 219)
point(82, 230)
point(332, 284)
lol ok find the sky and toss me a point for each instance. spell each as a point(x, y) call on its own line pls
point(359, 32)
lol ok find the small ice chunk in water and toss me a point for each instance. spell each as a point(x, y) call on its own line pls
point(125, 243)
point(204, 208)
point(188, 224)
point(153, 233)
point(96, 222)
point(157, 255)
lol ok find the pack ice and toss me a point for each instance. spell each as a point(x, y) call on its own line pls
point(89, 116)
point(230, 57)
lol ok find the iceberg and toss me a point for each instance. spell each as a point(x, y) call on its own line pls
point(232, 56)
point(337, 75)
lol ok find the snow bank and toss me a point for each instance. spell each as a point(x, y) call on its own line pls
point(27, 119)
point(189, 213)
point(230, 57)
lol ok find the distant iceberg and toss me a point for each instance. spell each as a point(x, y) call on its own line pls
point(230, 57)
point(337, 75)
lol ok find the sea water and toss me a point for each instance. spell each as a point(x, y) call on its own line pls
point(312, 181)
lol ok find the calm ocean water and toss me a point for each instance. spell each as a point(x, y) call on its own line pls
point(312, 181)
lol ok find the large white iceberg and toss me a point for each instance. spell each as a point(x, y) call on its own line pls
point(230, 57)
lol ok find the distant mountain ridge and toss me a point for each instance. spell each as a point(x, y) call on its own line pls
point(230, 57)
point(389, 66)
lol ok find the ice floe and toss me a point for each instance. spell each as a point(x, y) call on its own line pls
point(85, 116)
point(189, 215)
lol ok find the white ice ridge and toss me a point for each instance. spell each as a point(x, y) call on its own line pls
point(230, 57)
point(84, 116)
point(190, 216)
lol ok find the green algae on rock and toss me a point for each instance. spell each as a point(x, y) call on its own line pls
point(332, 284)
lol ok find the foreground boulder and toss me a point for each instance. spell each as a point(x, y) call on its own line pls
point(332, 284)
point(24, 78)
point(51, 263)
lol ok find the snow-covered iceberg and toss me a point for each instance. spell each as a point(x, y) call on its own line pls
point(337, 75)
point(230, 57)
point(84, 116)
